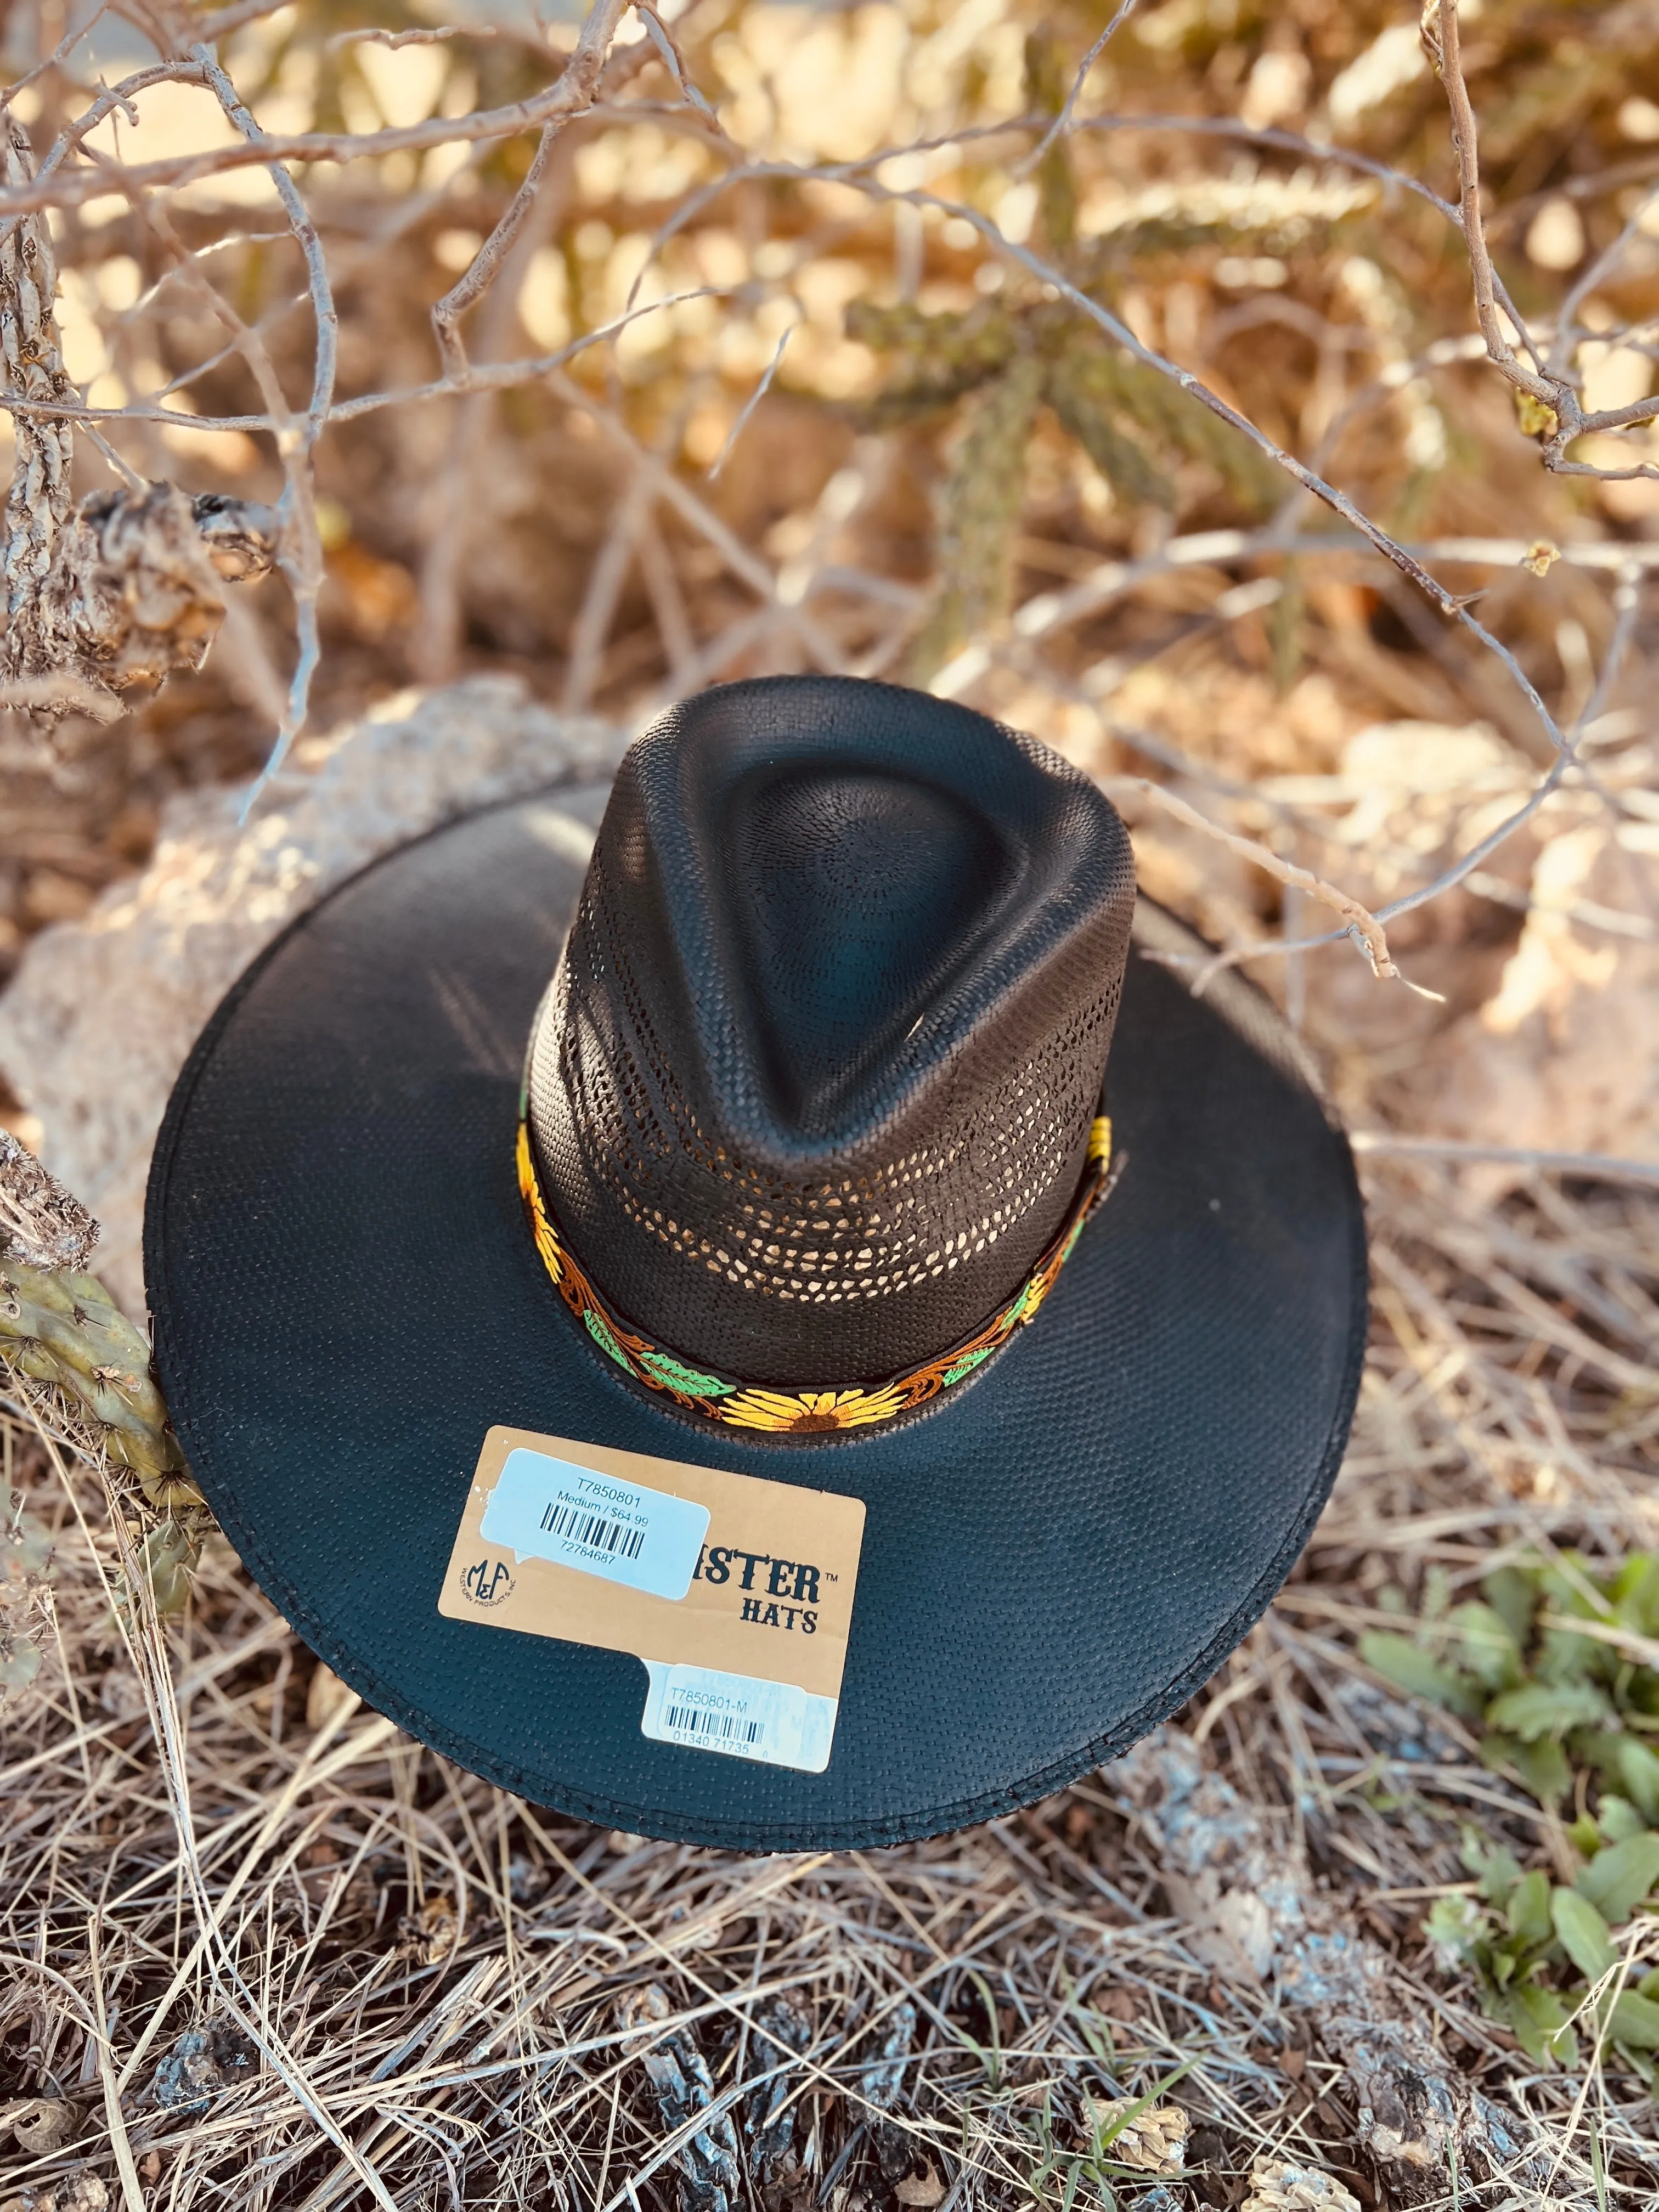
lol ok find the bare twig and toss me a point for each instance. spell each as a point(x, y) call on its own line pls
point(1363, 926)
point(1448, 61)
point(581, 74)
point(1062, 122)
point(39, 504)
point(1593, 1166)
point(1565, 419)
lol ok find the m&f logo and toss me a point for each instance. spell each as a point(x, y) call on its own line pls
point(486, 1581)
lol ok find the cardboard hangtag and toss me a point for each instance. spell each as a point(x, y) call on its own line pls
point(736, 1593)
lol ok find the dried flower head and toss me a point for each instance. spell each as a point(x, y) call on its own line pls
point(41, 1223)
point(1278, 2186)
point(1153, 2142)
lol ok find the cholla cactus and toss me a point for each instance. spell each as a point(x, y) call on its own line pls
point(79, 1367)
point(1011, 355)
point(979, 515)
point(125, 588)
point(41, 1223)
point(62, 1328)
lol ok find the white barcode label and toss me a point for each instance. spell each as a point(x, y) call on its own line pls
point(704, 1709)
point(544, 1508)
point(593, 1532)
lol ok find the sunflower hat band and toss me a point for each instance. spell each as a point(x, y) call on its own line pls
point(788, 1411)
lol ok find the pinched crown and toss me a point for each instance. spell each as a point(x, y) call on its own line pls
point(812, 1088)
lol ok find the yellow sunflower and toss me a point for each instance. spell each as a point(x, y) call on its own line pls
point(804, 1410)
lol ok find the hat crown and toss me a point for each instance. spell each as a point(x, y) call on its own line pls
point(812, 1088)
point(854, 897)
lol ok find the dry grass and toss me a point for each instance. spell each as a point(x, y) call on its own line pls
point(424, 1989)
point(404, 1987)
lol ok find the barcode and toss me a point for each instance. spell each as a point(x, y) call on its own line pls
point(701, 1720)
point(593, 1532)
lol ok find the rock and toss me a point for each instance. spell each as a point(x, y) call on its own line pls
point(103, 1011)
point(1252, 1909)
point(203, 2063)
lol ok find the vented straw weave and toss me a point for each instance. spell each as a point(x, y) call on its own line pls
point(813, 1087)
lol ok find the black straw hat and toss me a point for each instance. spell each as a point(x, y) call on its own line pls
point(809, 1206)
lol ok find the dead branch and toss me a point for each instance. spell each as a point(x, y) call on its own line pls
point(583, 73)
point(125, 590)
point(39, 503)
point(1565, 419)
point(1358, 923)
point(132, 592)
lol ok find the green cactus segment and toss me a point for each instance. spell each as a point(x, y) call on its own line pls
point(1095, 390)
point(25, 1553)
point(1088, 391)
point(64, 1329)
point(1048, 82)
point(979, 511)
point(679, 1376)
point(168, 1561)
point(936, 359)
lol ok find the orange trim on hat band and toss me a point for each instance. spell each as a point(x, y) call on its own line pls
point(753, 1406)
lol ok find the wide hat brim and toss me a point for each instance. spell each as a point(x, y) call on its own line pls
point(1055, 1556)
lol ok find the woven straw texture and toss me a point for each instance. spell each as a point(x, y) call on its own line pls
point(813, 1087)
point(346, 1298)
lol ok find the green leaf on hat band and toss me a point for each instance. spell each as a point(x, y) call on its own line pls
point(602, 1336)
point(965, 1365)
point(679, 1376)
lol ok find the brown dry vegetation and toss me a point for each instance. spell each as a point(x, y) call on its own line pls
point(403, 1986)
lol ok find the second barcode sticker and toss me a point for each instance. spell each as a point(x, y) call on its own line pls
point(706, 1710)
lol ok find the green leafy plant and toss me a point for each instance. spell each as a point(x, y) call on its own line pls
point(1554, 1667)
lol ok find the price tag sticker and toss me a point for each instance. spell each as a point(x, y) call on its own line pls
point(706, 1710)
point(547, 1508)
point(735, 1592)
